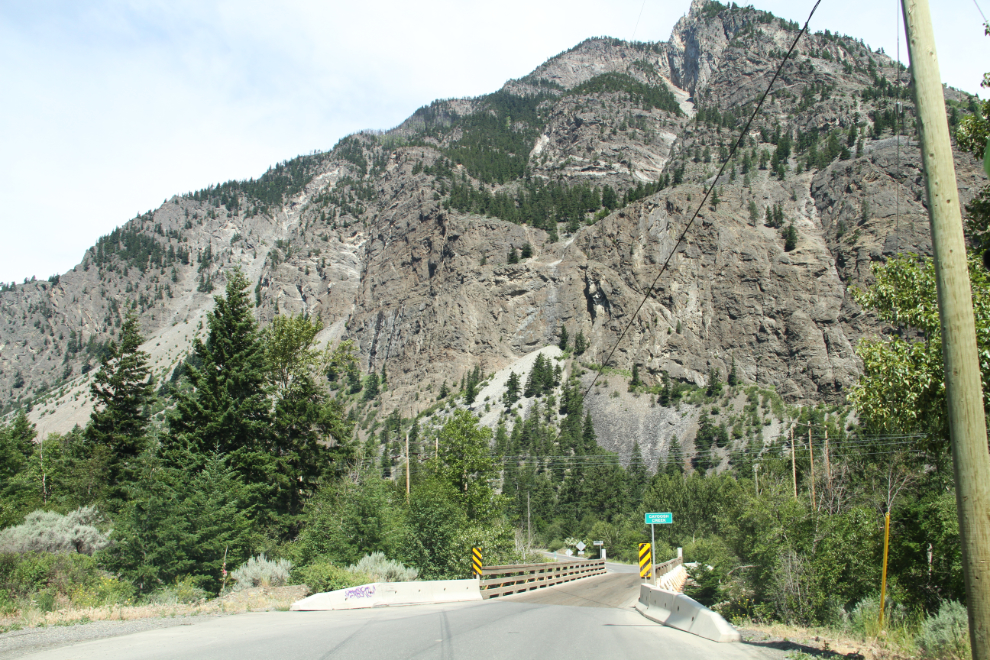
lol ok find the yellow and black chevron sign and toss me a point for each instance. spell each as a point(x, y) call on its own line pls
point(476, 561)
point(645, 565)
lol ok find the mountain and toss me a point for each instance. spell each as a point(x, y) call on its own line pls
point(591, 165)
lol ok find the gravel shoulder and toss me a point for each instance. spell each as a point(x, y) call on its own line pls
point(18, 643)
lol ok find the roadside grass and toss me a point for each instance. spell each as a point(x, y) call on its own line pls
point(258, 599)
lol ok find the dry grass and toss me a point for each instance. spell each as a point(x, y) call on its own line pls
point(826, 642)
point(258, 599)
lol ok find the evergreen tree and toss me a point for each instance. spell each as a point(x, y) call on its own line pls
point(444, 391)
point(512, 386)
point(371, 386)
point(513, 256)
point(227, 409)
point(527, 250)
point(714, 383)
point(790, 238)
point(588, 436)
point(580, 343)
point(384, 379)
point(122, 389)
point(638, 476)
point(733, 376)
point(471, 385)
point(664, 397)
point(562, 343)
point(635, 382)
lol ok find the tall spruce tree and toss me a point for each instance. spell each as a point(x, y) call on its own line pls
point(227, 410)
point(122, 389)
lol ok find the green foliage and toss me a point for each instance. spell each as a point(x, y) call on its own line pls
point(383, 569)
point(542, 378)
point(789, 234)
point(46, 578)
point(182, 522)
point(346, 520)
point(580, 343)
point(122, 390)
point(945, 635)
point(322, 576)
point(261, 572)
point(466, 463)
point(642, 95)
point(47, 531)
point(512, 389)
point(902, 389)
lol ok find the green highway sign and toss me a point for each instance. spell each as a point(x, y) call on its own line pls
point(659, 518)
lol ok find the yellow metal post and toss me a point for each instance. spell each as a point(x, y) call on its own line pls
point(883, 579)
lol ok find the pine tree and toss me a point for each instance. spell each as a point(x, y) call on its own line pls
point(371, 386)
point(527, 251)
point(513, 256)
point(733, 376)
point(635, 382)
point(444, 391)
point(512, 386)
point(227, 409)
point(122, 389)
point(714, 383)
point(580, 343)
point(637, 474)
point(790, 238)
point(562, 343)
point(588, 436)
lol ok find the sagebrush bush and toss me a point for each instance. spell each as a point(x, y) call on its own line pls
point(945, 635)
point(321, 576)
point(183, 591)
point(383, 569)
point(46, 531)
point(261, 572)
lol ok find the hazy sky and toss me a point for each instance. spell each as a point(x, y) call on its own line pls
point(110, 106)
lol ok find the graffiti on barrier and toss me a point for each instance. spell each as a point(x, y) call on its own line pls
point(366, 591)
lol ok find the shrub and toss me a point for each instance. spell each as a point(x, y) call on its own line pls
point(945, 635)
point(183, 591)
point(321, 576)
point(50, 578)
point(261, 572)
point(46, 531)
point(382, 569)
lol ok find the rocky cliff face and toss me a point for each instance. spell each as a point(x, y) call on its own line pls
point(390, 240)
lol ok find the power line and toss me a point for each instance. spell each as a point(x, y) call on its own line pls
point(732, 152)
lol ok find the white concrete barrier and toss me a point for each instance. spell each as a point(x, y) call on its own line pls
point(383, 594)
point(684, 613)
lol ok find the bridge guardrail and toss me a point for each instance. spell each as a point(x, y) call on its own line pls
point(662, 569)
point(517, 578)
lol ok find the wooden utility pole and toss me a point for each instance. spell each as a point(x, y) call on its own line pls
point(407, 468)
point(793, 463)
point(963, 391)
point(811, 453)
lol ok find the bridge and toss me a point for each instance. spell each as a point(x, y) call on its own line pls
point(591, 617)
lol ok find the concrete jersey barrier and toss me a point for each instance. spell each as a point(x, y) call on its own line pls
point(684, 613)
point(383, 594)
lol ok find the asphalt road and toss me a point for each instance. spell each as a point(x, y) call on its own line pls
point(470, 631)
point(589, 618)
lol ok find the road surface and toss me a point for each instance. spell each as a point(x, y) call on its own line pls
point(586, 619)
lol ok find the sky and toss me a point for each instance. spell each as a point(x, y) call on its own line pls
point(111, 106)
